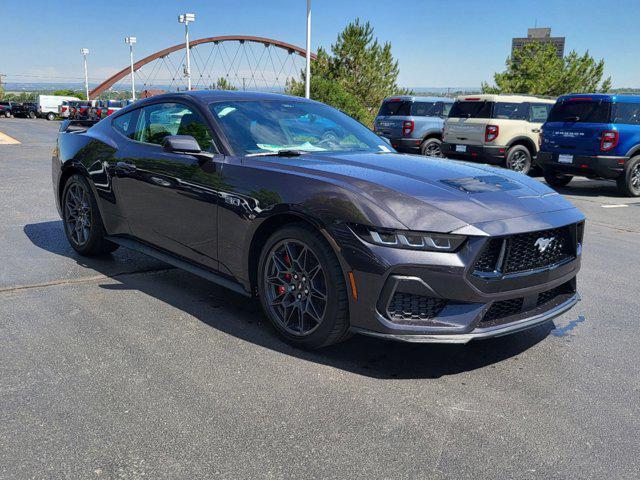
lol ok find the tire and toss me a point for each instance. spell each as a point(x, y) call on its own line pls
point(51, 116)
point(298, 269)
point(7, 114)
point(519, 159)
point(432, 147)
point(32, 115)
point(557, 180)
point(629, 181)
point(79, 205)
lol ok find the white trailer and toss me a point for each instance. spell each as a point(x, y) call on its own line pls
point(48, 105)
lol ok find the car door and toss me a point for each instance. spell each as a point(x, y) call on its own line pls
point(169, 199)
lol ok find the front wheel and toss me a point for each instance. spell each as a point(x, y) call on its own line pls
point(557, 180)
point(519, 159)
point(629, 181)
point(302, 288)
point(82, 221)
point(32, 115)
point(7, 113)
point(50, 116)
point(431, 147)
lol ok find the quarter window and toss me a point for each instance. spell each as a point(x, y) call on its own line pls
point(124, 124)
point(538, 112)
point(626, 113)
point(510, 111)
point(160, 120)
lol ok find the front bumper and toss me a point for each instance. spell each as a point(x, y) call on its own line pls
point(480, 333)
point(608, 167)
point(467, 299)
point(494, 155)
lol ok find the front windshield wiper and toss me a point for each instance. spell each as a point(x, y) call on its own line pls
point(279, 153)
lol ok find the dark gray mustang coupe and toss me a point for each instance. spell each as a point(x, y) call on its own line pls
point(296, 203)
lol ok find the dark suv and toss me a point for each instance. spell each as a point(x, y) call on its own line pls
point(6, 108)
point(26, 110)
point(413, 124)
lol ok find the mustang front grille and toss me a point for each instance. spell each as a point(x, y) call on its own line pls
point(526, 251)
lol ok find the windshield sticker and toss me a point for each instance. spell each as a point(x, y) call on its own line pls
point(484, 183)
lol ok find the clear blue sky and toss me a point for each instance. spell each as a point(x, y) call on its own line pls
point(438, 43)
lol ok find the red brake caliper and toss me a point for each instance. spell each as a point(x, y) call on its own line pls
point(287, 276)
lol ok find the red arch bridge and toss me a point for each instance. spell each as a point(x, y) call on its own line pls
point(240, 61)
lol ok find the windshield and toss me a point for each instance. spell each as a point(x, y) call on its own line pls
point(271, 126)
point(471, 109)
point(580, 111)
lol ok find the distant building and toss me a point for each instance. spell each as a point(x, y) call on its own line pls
point(541, 35)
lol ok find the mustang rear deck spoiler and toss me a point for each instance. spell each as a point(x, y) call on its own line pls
point(71, 126)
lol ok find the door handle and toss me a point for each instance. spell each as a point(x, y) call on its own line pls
point(124, 167)
point(535, 130)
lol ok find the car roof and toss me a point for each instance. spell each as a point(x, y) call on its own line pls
point(606, 97)
point(418, 98)
point(503, 98)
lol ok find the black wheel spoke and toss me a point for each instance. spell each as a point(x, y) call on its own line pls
point(78, 214)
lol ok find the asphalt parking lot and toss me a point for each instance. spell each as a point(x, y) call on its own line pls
point(125, 368)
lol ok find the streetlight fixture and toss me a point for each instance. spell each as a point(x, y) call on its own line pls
point(131, 41)
point(307, 85)
point(187, 18)
point(85, 52)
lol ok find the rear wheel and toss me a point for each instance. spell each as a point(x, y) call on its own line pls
point(7, 113)
point(50, 116)
point(556, 179)
point(629, 181)
point(302, 289)
point(519, 159)
point(432, 147)
point(32, 114)
point(82, 221)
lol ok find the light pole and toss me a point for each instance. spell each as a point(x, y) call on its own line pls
point(307, 86)
point(85, 52)
point(131, 41)
point(186, 18)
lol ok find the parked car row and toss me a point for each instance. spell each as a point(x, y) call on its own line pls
point(596, 136)
point(90, 109)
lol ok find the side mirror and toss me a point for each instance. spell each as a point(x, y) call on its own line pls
point(181, 144)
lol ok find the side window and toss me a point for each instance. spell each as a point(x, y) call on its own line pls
point(510, 111)
point(538, 112)
point(446, 108)
point(627, 113)
point(423, 109)
point(160, 120)
point(124, 124)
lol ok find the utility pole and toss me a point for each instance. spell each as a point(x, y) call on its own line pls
point(131, 41)
point(186, 18)
point(307, 86)
point(85, 52)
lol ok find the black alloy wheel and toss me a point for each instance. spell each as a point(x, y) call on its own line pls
point(296, 287)
point(431, 148)
point(519, 159)
point(81, 217)
point(629, 181)
point(302, 288)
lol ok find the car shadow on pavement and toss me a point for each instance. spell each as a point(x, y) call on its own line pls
point(591, 188)
point(235, 315)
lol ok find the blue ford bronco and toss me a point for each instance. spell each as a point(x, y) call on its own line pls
point(594, 136)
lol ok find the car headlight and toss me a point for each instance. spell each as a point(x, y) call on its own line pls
point(429, 241)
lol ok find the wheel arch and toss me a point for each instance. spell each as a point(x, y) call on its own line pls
point(432, 134)
point(525, 142)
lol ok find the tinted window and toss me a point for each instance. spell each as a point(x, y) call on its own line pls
point(424, 109)
point(538, 112)
point(268, 126)
point(124, 124)
point(471, 109)
point(510, 111)
point(400, 108)
point(628, 113)
point(580, 111)
point(158, 121)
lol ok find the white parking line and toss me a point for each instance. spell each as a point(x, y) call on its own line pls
point(619, 205)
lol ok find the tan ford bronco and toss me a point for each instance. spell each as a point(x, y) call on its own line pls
point(498, 129)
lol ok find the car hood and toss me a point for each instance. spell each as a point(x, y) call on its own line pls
point(426, 193)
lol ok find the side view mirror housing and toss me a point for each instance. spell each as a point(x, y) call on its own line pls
point(181, 144)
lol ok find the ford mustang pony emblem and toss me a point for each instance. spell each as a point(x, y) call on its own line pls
point(543, 243)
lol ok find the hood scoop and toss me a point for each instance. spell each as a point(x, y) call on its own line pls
point(482, 183)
